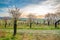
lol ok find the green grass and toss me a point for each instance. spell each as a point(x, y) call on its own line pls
point(26, 26)
point(10, 37)
point(19, 36)
point(30, 36)
point(34, 27)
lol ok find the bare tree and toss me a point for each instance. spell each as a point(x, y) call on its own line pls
point(15, 14)
point(31, 18)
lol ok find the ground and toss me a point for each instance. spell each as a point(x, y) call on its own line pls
point(37, 32)
point(31, 35)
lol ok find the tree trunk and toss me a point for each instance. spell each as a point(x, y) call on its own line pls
point(30, 25)
point(15, 27)
point(48, 23)
point(56, 23)
point(5, 24)
point(44, 22)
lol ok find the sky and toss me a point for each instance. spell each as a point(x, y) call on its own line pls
point(36, 7)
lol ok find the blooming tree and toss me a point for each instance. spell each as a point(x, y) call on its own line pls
point(15, 12)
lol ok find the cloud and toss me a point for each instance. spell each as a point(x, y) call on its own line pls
point(4, 12)
point(51, 2)
point(48, 6)
point(35, 9)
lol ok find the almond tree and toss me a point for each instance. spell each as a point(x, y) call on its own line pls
point(5, 21)
point(47, 16)
point(15, 14)
point(31, 18)
point(58, 16)
point(51, 18)
point(58, 19)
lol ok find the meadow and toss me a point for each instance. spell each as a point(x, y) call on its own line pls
point(43, 35)
point(24, 32)
point(23, 25)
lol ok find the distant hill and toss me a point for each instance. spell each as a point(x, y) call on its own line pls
point(23, 19)
point(4, 17)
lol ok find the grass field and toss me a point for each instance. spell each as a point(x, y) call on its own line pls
point(24, 32)
point(32, 36)
point(40, 26)
point(34, 26)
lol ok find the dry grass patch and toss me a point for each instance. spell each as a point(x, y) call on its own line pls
point(2, 33)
